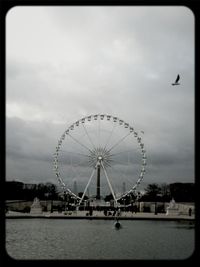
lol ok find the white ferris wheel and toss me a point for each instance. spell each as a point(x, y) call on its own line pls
point(100, 155)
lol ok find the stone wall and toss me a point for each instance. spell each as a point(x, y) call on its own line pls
point(183, 208)
point(25, 206)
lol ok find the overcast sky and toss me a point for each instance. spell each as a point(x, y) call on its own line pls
point(64, 63)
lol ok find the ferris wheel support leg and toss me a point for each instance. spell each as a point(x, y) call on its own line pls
point(111, 189)
point(86, 187)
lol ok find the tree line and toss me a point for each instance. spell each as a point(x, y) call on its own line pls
point(15, 190)
point(180, 192)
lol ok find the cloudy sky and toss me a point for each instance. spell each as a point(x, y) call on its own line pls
point(64, 63)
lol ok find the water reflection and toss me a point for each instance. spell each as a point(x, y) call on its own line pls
point(98, 239)
point(184, 225)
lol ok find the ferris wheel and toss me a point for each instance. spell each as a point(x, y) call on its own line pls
point(100, 155)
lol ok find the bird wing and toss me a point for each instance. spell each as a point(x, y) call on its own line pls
point(177, 79)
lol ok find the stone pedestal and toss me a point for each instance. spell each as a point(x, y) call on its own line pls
point(36, 207)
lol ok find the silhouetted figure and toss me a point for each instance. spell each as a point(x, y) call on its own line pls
point(114, 212)
point(91, 211)
point(190, 211)
point(118, 211)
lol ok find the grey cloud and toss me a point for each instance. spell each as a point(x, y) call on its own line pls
point(116, 61)
point(30, 140)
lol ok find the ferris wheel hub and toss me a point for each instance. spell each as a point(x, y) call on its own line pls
point(97, 155)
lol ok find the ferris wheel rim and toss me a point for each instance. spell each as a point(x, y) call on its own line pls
point(101, 117)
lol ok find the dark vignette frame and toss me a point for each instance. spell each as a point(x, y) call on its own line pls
point(5, 6)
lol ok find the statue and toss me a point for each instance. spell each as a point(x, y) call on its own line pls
point(172, 209)
point(36, 207)
point(172, 203)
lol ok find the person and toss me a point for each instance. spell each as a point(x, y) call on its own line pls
point(190, 211)
point(114, 212)
point(90, 211)
point(118, 212)
point(135, 208)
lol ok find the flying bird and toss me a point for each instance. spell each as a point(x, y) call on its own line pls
point(177, 79)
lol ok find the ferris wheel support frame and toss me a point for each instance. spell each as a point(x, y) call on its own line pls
point(98, 166)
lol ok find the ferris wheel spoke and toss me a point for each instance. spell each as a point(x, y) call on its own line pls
point(68, 151)
point(109, 137)
point(81, 163)
point(131, 182)
point(126, 179)
point(119, 142)
point(88, 135)
point(110, 186)
point(119, 162)
point(121, 152)
point(76, 176)
point(99, 129)
point(75, 162)
point(79, 142)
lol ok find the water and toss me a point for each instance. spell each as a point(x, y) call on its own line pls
point(98, 239)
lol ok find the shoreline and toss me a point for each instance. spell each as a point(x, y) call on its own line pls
point(99, 216)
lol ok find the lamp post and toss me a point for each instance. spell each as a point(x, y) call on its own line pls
point(155, 208)
point(64, 201)
point(46, 202)
point(155, 212)
point(156, 199)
